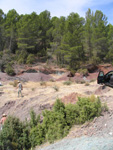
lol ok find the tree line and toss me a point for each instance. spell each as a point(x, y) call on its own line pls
point(72, 41)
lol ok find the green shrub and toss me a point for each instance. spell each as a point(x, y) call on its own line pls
point(21, 56)
point(30, 59)
point(57, 122)
point(1, 54)
point(105, 107)
point(56, 88)
point(82, 71)
point(52, 80)
point(13, 136)
point(9, 70)
point(85, 109)
point(33, 89)
point(34, 119)
point(58, 129)
point(88, 108)
point(54, 122)
point(67, 83)
point(59, 106)
point(21, 61)
point(72, 114)
point(43, 83)
point(37, 136)
point(55, 126)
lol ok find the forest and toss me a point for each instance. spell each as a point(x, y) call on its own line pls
point(71, 41)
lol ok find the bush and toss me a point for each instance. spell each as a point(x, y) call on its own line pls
point(56, 88)
point(37, 136)
point(105, 107)
point(14, 83)
point(57, 122)
point(54, 122)
point(58, 129)
point(13, 134)
point(43, 83)
point(2, 65)
point(83, 71)
point(59, 106)
point(21, 56)
point(30, 59)
point(1, 54)
point(21, 61)
point(55, 126)
point(9, 70)
point(67, 83)
point(72, 114)
point(85, 109)
point(88, 108)
point(34, 119)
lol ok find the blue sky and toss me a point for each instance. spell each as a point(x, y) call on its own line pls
point(59, 7)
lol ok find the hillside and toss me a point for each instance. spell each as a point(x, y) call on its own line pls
point(38, 94)
point(41, 94)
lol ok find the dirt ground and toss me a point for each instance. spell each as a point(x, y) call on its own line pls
point(40, 91)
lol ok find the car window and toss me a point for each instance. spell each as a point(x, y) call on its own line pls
point(109, 74)
point(101, 73)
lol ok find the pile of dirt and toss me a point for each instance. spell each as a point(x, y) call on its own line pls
point(71, 98)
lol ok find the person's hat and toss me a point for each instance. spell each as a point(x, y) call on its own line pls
point(18, 81)
point(4, 115)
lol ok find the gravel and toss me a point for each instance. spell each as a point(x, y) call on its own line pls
point(82, 143)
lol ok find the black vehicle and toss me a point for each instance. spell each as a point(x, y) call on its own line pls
point(106, 79)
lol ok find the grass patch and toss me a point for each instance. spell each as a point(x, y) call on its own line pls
point(43, 83)
point(15, 83)
point(67, 83)
point(56, 88)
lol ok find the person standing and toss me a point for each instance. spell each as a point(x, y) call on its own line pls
point(20, 88)
point(3, 119)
